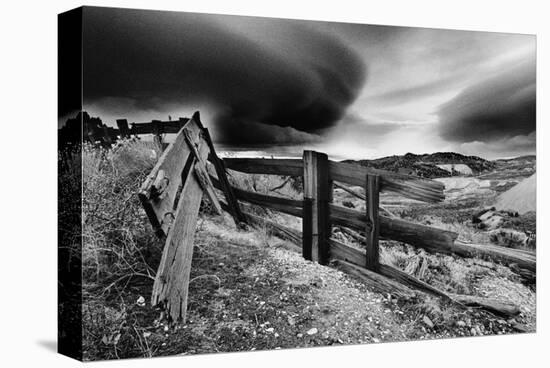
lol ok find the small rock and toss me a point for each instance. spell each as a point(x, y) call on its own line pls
point(300, 335)
point(291, 321)
point(473, 331)
point(461, 324)
point(271, 329)
point(375, 340)
point(317, 281)
point(428, 322)
point(312, 331)
point(141, 301)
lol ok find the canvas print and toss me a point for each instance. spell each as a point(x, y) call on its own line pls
point(231, 183)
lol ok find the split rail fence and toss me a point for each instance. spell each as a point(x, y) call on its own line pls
point(173, 191)
point(157, 128)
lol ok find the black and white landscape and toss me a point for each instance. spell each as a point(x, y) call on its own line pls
point(455, 108)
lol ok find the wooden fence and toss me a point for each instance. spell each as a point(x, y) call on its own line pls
point(157, 128)
point(173, 215)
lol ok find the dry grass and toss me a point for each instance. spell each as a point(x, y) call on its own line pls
point(114, 230)
point(274, 185)
point(119, 250)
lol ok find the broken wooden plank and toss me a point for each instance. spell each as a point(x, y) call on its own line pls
point(377, 281)
point(172, 163)
point(171, 285)
point(206, 184)
point(200, 169)
point(234, 208)
point(501, 308)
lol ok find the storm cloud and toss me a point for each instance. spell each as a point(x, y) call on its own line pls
point(499, 107)
point(292, 76)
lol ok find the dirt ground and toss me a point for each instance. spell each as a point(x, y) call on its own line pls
point(249, 291)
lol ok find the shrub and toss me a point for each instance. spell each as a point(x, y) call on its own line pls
point(116, 239)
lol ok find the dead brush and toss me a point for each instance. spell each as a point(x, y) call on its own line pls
point(119, 250)
point(113, 329)
point(117, 245)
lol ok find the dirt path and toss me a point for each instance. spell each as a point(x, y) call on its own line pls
point(248, 292)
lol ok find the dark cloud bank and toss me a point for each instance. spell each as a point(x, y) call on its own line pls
point(157, 58)
point(500, 107)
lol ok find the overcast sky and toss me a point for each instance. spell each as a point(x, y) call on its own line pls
point(353, 91)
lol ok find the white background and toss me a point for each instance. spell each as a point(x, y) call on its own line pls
point(28, 52)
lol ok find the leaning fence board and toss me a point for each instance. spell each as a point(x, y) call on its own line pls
point(200, 168)
point(160, 206)
point(225, 187)
point(172, 280)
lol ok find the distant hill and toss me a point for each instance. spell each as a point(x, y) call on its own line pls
point(521, 198)
point(426, 165)
point(518, 167)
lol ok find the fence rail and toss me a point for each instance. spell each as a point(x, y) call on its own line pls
point(408, 186)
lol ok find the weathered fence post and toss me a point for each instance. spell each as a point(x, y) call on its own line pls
point(106, 136)
point(316, 229)
point(157, 131)
point(373, 223)
point(123, 128)
point(306, 228)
